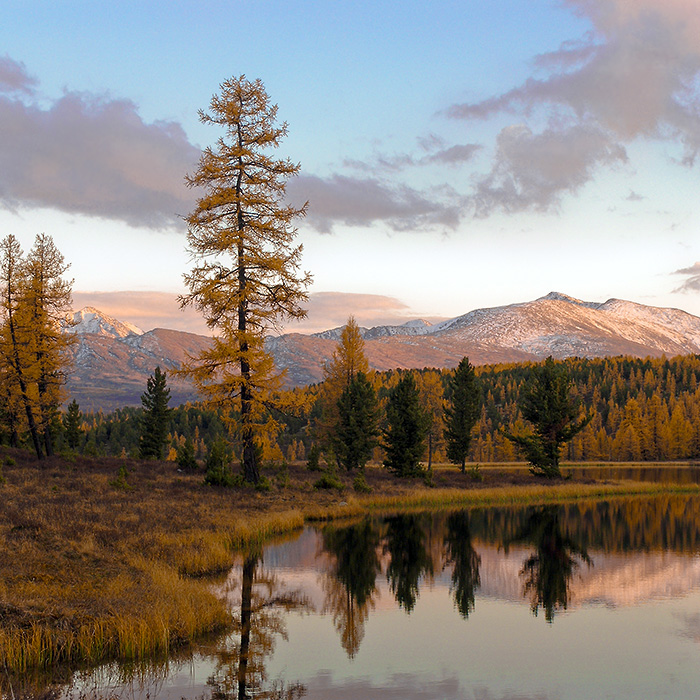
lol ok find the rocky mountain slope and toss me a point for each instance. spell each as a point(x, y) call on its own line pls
point(112, 367)
point(112, 361)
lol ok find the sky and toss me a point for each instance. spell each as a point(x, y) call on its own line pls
point(455, 154)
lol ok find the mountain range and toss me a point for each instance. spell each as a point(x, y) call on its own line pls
point(112, 359)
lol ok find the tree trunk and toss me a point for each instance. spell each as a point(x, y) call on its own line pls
point(17, 366)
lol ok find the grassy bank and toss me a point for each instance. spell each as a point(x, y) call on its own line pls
point(110, 558)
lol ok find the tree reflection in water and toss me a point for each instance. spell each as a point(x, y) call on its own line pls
point(350, 585)
point(460, 552)
point(410, 559)
point(240, 670)
point(549, 570)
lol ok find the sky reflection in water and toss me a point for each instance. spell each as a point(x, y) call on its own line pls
point(580, 601)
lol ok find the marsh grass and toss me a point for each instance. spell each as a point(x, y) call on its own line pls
point(92, 570)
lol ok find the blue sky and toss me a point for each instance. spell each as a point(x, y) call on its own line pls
point(455, 154)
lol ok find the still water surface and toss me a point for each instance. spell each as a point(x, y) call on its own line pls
point(586, 600)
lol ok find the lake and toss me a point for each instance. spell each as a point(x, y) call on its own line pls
point(584, 600)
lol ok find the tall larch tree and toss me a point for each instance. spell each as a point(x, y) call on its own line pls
point(46, 298)
point(15, 351)
point(247, 275)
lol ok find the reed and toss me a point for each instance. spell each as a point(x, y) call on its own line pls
point(515, 495)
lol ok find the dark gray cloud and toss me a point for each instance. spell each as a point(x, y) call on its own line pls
point(692, 281)
point(531, 170)
point(636, 76)
point(94, 156)
point(14, 76)
point(453, 155)
point(340, 199)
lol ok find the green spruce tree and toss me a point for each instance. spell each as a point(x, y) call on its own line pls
point(461, 412)
point(546, 402)
point(154, 423)
point(71, 425)
point(357, 430)
point(407, 425)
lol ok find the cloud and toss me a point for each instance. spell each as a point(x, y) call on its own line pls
point(353, 201)
point(326, 310)
point(94, 156)
point(636, 76)
point(331, 309)
point(14, 76)
point(435, 152)
point(147, 310)
point(532, 170)
point(692, 283)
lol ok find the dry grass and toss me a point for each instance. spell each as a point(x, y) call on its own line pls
point(98, 567)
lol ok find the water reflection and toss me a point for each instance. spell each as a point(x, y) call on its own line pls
point(548, 571)
point(410, 560)
point(350, 584)
point(240, 660)
point(394, 602)
point(460, 552)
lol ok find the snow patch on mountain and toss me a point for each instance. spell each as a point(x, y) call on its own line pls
point(91, 320)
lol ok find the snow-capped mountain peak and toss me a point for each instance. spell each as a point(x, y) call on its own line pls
point(90, 320)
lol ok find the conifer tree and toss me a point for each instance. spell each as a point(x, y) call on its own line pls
point(154, 422)
point(404, 436)
point(247, 276)
point(71, 424)
point(347, 360)
point(357, 431)
point(545, 401)
point(15, 352)
point(461, 412)
point(46, 299)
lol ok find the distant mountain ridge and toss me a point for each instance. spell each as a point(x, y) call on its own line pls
point(113, 360)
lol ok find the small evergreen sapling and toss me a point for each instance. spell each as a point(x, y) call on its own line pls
point(71, 425)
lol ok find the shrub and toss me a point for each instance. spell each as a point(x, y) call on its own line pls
point(329, 481)
point(185, 457)
point(360, 484)
point(218, 465)
point(313, 461)
point(121, 482)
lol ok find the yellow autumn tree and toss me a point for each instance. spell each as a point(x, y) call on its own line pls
point(347, 360)
point(34, 306)
point(247, 274)
point(18, 400)
point(47, 301)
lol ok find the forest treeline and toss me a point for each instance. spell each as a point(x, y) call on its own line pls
point(641, 410)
